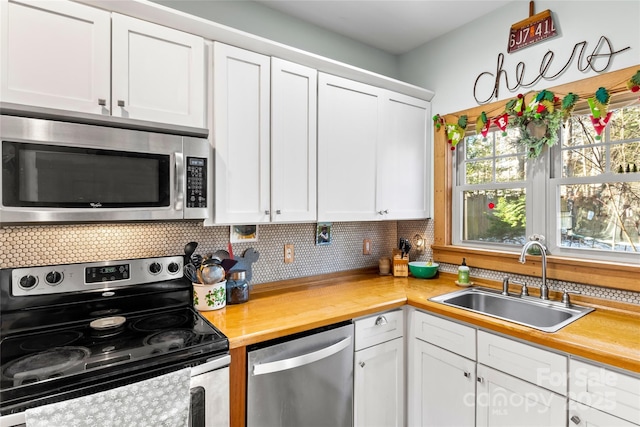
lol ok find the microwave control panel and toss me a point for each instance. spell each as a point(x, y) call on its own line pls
point(196, 195)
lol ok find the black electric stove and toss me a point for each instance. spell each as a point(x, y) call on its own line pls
point(76, 329)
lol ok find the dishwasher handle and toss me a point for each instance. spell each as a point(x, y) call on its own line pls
point(304, 359)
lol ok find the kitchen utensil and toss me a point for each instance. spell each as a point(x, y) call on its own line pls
point(196, 260)
point(404, 247)
point(189, 250)
point(190, 272)
point(222, 254)
point(210, 271)
point(228, 263)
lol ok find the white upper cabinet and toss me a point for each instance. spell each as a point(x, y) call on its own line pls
point(264, 128)
point(293, 142)
point(158, 73)
point(348, 119)
point(374, 155)
point(404, 170)
point(56, 54)
point(241, 130)
point(69, 56)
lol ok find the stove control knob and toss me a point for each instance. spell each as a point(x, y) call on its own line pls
point(173, 267)
point(155, 268)
point(28, 282)
point(53, 278)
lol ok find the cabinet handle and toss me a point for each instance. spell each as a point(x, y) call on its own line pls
point(102, 101)
point(362, 364)
point(381, 320)
point(480, 380)
point(467, 374)
point(267, 212)
point(386, 211)
point(120, 103)
point(575, 419)
point(278, 212)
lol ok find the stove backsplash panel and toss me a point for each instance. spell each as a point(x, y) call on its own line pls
point(23, 246)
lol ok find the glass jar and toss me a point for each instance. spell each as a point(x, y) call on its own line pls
point(237, 287)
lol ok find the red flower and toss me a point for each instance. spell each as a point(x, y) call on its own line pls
point(491, 205)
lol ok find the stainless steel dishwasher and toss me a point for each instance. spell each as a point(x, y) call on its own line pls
point(304, 381)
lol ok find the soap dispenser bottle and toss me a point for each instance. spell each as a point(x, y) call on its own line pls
point(463, 273)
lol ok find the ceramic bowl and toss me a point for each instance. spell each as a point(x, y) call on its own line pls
point(422, 270)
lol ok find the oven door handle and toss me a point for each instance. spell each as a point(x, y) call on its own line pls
point(211, 365)
point(304, 359)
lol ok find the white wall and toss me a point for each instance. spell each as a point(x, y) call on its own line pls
point(257, 19)
point(450, 65)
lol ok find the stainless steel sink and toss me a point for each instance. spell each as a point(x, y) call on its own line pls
point(547, 316)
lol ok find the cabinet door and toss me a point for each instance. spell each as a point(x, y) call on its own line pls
point(536, 365)
point(241, 128)
point(379, 385)
point(503, 400)
point(586, 416)
point(55, 54)
point(404, 172)
point(293, 141)
point(441, 387)
point(348, 120)
point(158, 73)
point(605, 389)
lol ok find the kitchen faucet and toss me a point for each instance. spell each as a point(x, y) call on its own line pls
point(544, 289)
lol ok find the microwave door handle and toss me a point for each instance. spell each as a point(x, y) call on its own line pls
point(305, 359)
point(179, 180)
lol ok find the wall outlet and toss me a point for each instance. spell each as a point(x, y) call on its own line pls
point(366, 247)
point(288, 254)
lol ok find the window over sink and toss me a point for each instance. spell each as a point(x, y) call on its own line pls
point(583, 194)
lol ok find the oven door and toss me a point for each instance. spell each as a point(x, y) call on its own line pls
point(57, 171)
point(209, 396)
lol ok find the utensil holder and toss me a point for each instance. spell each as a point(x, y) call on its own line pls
point(400, 265)
point(210, 297)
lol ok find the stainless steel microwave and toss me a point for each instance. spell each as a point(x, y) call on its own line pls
point(56, 171)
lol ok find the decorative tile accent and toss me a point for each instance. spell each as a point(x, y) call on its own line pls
point(23, 246)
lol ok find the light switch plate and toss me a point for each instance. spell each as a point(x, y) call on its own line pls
point(288, 254)
point(366, 247)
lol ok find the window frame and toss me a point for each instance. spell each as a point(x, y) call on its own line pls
point(610, 274)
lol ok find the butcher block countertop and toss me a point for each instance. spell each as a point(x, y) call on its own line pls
point(610, 334)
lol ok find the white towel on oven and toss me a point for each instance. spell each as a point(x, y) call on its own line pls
point(160, 401)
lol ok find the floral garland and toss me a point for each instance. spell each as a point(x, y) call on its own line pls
point(538, 121)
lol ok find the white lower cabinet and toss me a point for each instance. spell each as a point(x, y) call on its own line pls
point(504, 400)
point(379, 371)
point(511, 384)
point(442, 388)
point(602, 397)
point(586, 416)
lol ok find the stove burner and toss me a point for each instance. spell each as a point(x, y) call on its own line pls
point(43, 342)
point(46, 364)
point(160, 322)
point(170, 340)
